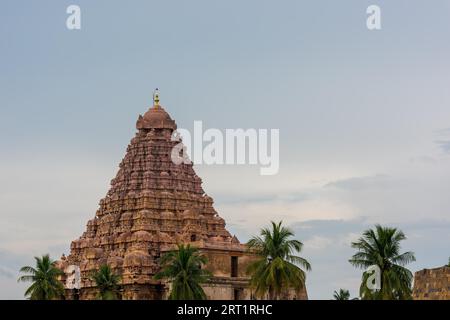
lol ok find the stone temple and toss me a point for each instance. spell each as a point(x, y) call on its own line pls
point(432, 284)
point(152, 205)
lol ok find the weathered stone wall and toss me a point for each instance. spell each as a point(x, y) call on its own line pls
point(432, 284)
point(219, 261)
point(227, 292)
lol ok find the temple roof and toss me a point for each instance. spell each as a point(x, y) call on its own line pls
point(156, 118)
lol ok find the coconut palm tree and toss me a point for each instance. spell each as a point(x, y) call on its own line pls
point(278, 268)
point(44, 277)
point(380, 247)
point(183, 268)
point(107, 282)
point(341, 295)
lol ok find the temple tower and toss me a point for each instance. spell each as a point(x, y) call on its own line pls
point(152, 205)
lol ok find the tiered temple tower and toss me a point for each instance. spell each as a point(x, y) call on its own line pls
point(152, 205)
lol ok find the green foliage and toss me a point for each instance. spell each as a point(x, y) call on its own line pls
point(381, 247)
point(341, 295)
point(44, 278)
point(278, 268)
point(107, 283)
point(183, 268)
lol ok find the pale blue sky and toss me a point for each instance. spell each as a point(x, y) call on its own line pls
point(363, 115)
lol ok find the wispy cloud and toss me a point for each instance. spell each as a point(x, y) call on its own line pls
point(443, 131)
point(6, 273)
point(268, 198)
point(358, 183)
point(443, 141)
point(423, 160)
point(444, 145)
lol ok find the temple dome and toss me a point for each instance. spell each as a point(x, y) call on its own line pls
point(156, 118)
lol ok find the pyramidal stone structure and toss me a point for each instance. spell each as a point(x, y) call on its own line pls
point(152, 205)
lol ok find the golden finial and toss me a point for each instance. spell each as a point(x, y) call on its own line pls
point(156, 97)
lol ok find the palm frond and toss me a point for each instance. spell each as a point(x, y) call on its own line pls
point(381, 246)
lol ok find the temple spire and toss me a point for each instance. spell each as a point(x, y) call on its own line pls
point(156, 98)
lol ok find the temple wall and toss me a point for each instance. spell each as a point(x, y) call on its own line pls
point(226, 292)
point(127, 292)
point(432, 284)
point(220, 262)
